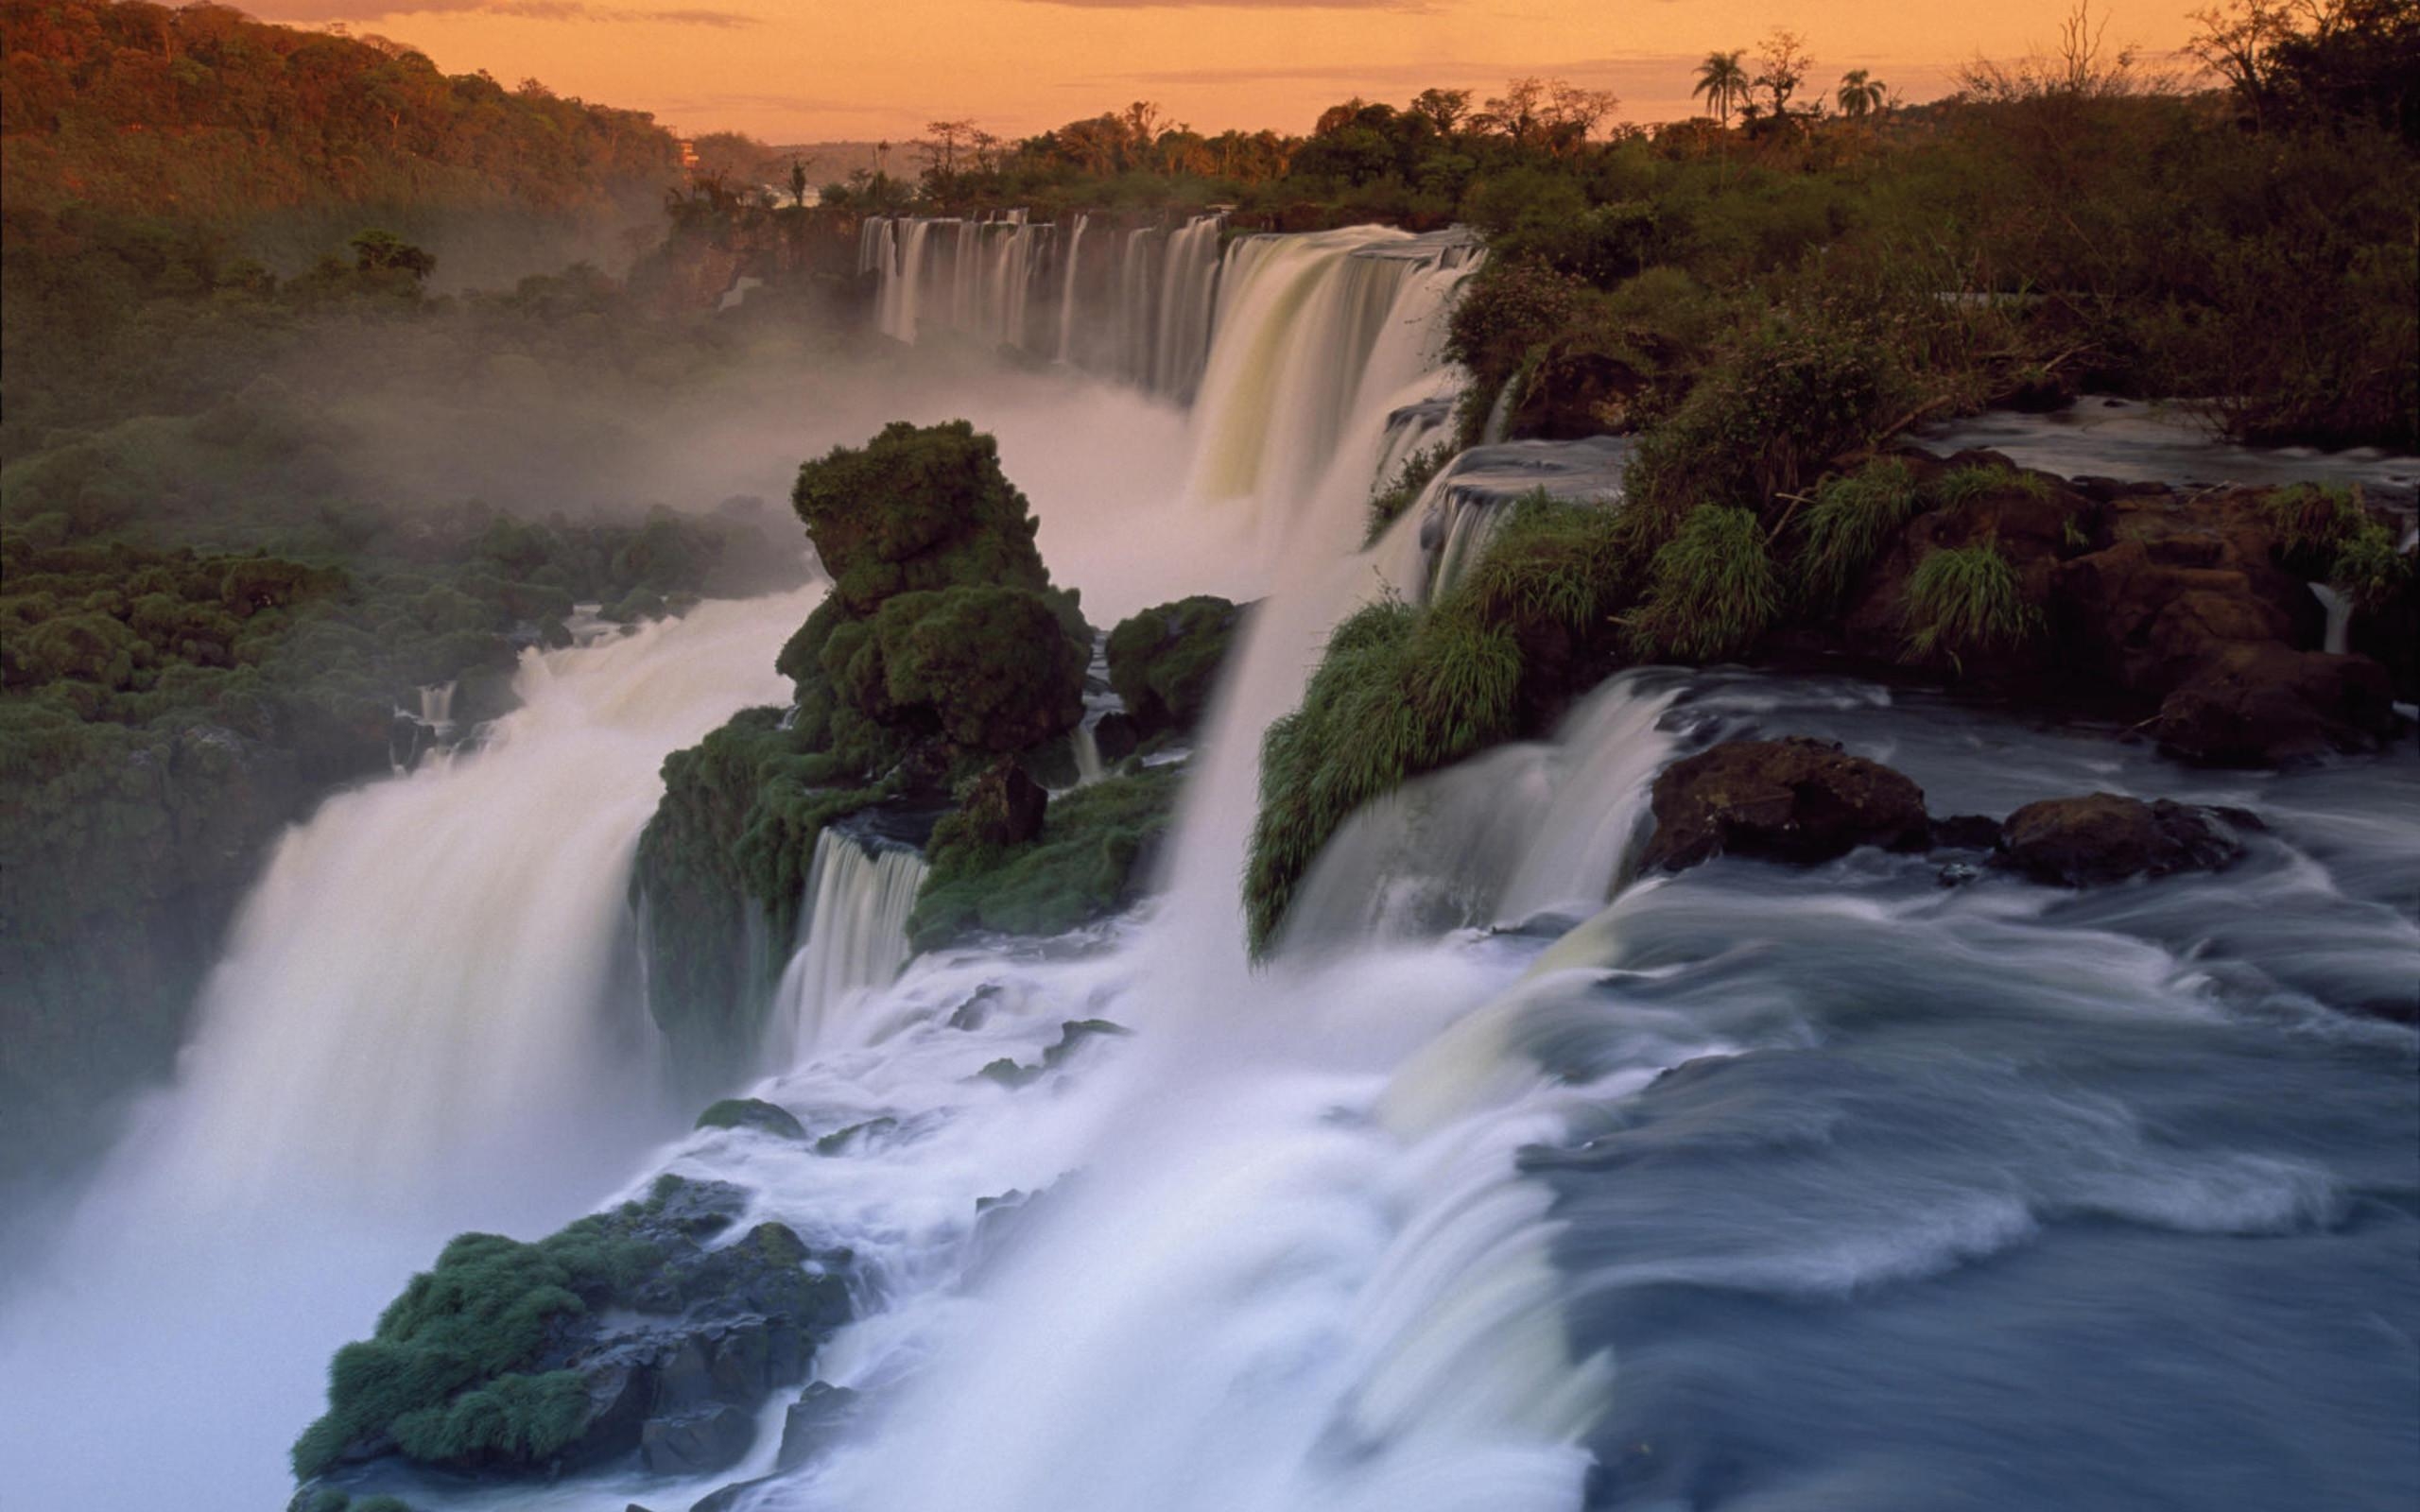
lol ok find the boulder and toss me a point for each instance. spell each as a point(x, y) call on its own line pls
point(1003, 808)
point(820, 1415)
point(2076, 842)
point(711, 1438)
point(752, 1112)
point(2258, 704)
point(1794, 799)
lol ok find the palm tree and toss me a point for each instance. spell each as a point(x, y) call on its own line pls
point(1723, 79)
point(1860, 96)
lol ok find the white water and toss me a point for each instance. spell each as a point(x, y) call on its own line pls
point(423, 1024)
point(1272, 1289)
point(854, 937)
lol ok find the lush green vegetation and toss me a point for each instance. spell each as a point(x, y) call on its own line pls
point(1163, 663)
point(1085, 864)
point(2326, 533)
point(452, 1373)
point(942, 646)
point(1966, 600)
point(1852, 517)
point(128, 106)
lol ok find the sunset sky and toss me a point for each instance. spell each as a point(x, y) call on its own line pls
point(809, 70)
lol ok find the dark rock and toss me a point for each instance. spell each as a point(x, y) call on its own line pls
point(2261, 704)
point(752, 1112)
point(1115, 737)
point(1794, 799)
point(726, 1497)
point(1965, 832)
point(820, 1415)
point(712, 1438)
point(2075, 842)
point(1074, 1032)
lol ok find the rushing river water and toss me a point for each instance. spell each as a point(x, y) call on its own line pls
point(1512, 1184)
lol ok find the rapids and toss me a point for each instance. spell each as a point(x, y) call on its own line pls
point(1513, 1182)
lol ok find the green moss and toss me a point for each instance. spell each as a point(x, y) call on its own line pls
point(2326, 533)
point(1852, 517)
point(1082, 866)
point(1163, 663)
point(990, 669)
point(1711, 591)
point(917, 507)
point(1963, 602)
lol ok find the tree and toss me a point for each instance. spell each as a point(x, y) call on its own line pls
point(1860, 96)
point(1723, 79)
point(1517, 112)
point(798, 183)
point(1443, 107)
point(1573, 112)
point(946, 139)
point(1783, 64)
point(383, 252)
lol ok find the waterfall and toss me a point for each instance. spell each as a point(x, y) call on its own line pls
point(421, 993)
point(1142, 319)
point(2340, 618)
point(1088, 765)
point(1067, 290)
point(854, 935)
point(1319, 341)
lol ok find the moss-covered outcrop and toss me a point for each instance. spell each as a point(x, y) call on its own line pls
point(1163, 663)
point(752, 1112)
point(619, 1336)
point(1091, 858)
point(941, 648)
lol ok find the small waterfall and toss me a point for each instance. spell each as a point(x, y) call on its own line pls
point(1067, 290)
point(2340, 618)
point(1188, 286)
point(1087, 746)
point(1446, 530)
point(858, 895)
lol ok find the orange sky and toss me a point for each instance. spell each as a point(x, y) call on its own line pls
point(808, 70)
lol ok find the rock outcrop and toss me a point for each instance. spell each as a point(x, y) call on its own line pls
point(647, 1335)
point(1163, 663)
point(2102, 837)
point(1792, 799)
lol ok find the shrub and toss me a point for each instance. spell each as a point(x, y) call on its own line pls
point(1852, 517)
point(1711, 591)
point(1163, 663)
point(1965, 601)
point(990, 668)
point(1799, 392)
point(1403, 490)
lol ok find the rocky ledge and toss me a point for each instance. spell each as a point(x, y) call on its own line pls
point(649, 1336)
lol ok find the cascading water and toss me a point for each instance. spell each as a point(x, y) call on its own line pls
point(1454, 1206)
point(859, 894)
point(1139, 312)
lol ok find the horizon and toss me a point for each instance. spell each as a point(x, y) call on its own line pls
point(1210, 64)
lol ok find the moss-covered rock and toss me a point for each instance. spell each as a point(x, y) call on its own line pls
point(1163, 663)
point(917, 509)
point(517, 1359)
point(1090, 858)
point(752, 1112)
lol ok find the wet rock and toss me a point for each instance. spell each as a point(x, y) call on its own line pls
point(752, 1112)
point(1965, 832)
point(822, 1414)
point(1115, 737)
point(2102, 837)
point(1009, 1074)
point(697, 1443)
point(2263, 704)
point(1794, 799)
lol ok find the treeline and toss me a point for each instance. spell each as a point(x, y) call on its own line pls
point(2070, 220)
point(202, 112)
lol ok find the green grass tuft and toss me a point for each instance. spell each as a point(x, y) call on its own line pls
point(2326, 533)
point(1403, 490)
point(1852, 519)
point(1980, 480)
point(1963, 601)
point(1711, 592)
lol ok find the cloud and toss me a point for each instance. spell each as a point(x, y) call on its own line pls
point(364, 10)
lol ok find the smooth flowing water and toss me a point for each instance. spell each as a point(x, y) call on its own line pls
point(1513, 1182)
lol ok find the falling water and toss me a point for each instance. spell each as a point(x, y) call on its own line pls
point(854, 935)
